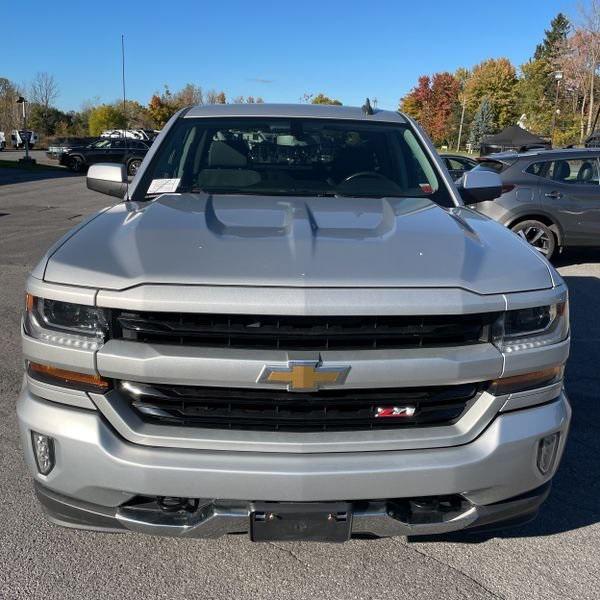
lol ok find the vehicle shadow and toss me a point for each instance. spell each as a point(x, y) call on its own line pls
point(574, 256)
point(10, 175)
point(573, 501)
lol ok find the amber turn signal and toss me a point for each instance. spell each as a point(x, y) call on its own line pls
point(70, 379)
point(29, 300)
point(526, 381)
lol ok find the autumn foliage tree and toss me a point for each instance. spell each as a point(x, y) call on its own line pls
point(433, 102)
point(496, 80)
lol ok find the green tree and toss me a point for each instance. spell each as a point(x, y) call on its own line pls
point(323, 99)
point(534, 99)
point(104, 117)
point(537, 86)
point(46, 119)
point(496, 80)
point(548, 50)
point(482, 124)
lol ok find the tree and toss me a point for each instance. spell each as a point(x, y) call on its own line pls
point(416, 103)
point(444, 98)
point(47, 120)
point(496, 80)
point(574, 63)
point(162, 107)
point(105, 117)
point(555, 36)
point(214, 97)
point(590, 23)
point(534, 99)
point(189, 95)
point(321, 98)
point(43, 93)
point(537, 87)
point(137, 116)
point(10, 115)
point(483, 123)
point(432, 102)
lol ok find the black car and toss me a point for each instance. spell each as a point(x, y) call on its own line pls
point(458, 164)
point(127, 151)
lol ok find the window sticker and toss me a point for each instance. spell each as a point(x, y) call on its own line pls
point(163, 186)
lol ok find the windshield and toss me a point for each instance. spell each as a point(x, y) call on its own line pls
point(293, 157)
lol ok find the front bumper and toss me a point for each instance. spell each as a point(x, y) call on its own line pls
point(217, 518)
point(98, 468)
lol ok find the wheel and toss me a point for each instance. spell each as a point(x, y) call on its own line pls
point(75, 164)
point(133, 166)
point(538, 235)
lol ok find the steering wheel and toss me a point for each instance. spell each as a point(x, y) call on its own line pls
point(367, 174)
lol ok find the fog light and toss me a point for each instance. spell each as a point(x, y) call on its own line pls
point(547, 449)
point(43, 450)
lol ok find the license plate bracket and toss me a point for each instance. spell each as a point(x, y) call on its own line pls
point(301, 521)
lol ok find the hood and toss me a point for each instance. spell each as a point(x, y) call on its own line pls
point(308, 242)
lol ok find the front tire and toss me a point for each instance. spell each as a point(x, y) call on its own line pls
point(538, 235)
point(75, 164)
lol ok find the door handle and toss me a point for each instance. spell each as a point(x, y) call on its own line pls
point(553, 195)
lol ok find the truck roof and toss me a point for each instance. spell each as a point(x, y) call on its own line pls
point(315, 111)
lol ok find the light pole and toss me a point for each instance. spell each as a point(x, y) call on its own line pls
point(558, 75)
point(462, 120)
point(27, 159)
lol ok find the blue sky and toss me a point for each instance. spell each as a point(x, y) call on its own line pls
point(277, 50)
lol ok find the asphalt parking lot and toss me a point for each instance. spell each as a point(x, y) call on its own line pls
point(556, 556)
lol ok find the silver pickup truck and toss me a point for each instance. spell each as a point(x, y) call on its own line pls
point(291, 326)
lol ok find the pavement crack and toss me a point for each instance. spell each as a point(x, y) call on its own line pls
point(455, 569)
point(291, 553)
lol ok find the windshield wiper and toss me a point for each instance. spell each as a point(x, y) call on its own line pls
point(264, 192)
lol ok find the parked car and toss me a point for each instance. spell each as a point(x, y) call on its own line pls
point(2, 141)
point(551, 198)
point(17, 141)
point(59, 146)
point(114, 150)
point(137, 134)
point(457, 164)
point(294, 329)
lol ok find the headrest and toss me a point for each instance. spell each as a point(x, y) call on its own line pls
point(586, 172)
point(561, 170)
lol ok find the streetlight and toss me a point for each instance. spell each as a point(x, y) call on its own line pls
point(558, 75)
point(22, 101)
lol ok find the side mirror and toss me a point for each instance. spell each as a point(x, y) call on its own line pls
point(108, 179)
point(479, 186)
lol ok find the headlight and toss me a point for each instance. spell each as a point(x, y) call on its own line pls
point(526, 328)
point(65, 323)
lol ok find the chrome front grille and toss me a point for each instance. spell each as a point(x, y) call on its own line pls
point(279, 410)
point(302, 332)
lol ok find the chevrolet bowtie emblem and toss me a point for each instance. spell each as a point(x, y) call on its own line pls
point(303, 376)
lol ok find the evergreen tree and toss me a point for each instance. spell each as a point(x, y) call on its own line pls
point(537, 86)
point(560, 27)
point(482, 124)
